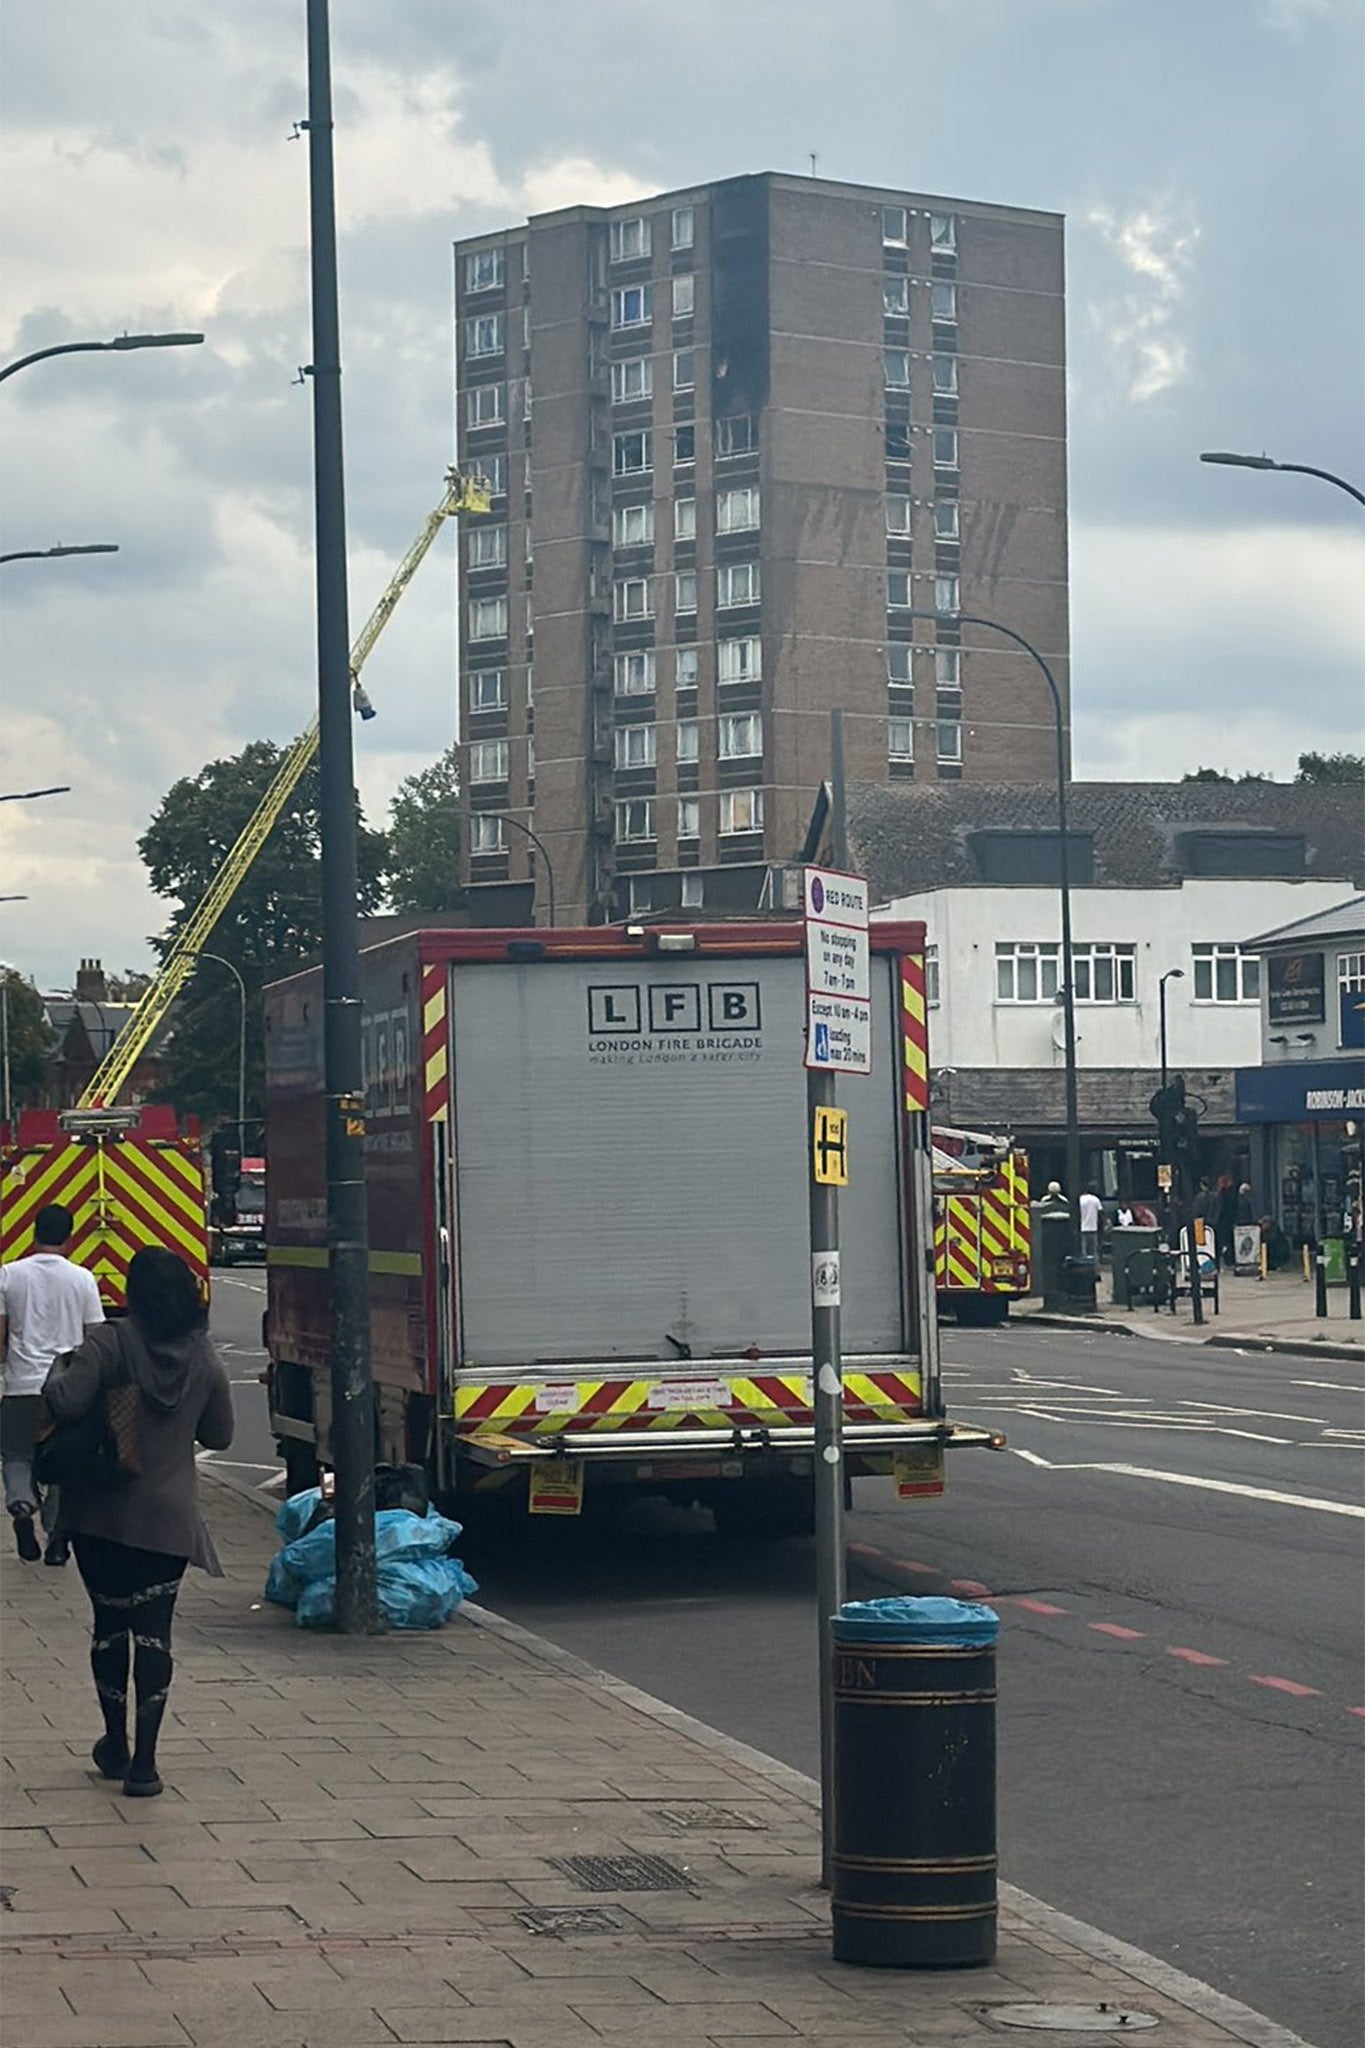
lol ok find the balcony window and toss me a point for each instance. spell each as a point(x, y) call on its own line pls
point(483, 270)
point(740, 661)
point(636, 746)
point(737, 435)
point(737, 511)
point(632, 675)
point(631, 598)
point(487, 835)
point(485, 405)
point(483, 335)
point(630, 239)
point(632, 305)
point(488, 689)
point(632, 526)
point(741, 810)
point(737, 583)
point(632, 454)
point(635, 819)
point(488, 618)
point(488, 547)
point(739, 736)
point(632, 380)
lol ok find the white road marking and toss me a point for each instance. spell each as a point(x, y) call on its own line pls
point(1331, 1386)
point(234, 1464)
point(1289, 1500)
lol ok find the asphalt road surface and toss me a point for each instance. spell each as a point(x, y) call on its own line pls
point(1174, 1544)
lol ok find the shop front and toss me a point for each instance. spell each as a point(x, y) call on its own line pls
point(1307, 1117)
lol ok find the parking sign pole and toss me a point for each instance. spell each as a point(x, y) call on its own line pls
point(827, 1370)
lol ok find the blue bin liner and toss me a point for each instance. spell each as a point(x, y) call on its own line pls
point(904, 1618)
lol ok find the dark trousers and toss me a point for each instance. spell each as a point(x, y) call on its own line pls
point(133, 1594)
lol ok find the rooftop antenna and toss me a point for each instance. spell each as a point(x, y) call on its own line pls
point(814, 160)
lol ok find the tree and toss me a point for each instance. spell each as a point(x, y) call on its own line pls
point(30, 1044)
point(128, 986)
point(424, 839)
point(1217, 775)
point(273, 922)
point(1331, 769)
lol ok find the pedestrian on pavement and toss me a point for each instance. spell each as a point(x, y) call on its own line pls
point(47, 1305)
point(1246, 1210)
point(132, 1543)
point(1222, 1219)
point(1091, 1210)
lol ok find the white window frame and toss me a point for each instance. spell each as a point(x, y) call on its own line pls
point(632, 305)
point(632, 526)
point(684, 296)
point(900, 651)
point(634, 820)
point(1026, 971)
point(687, 739)
point(740, 660)
point(943, 293)
point(685, 431)
point(739, 736)
point(632, 380)
point(631, 598)
point(896, 297)
point(1099, 960)
point(895, 227)
point(631, 240)
point(739, 510)
point(487, 547)
point(692, 895)
point(488, 689)
point(488, 761)
point(948, 740)
point(492, 469)
point(896, 369)
point(684, 369)
point(899, 512)
point(724, 428)
point(689, 817)
point(948, 668)
point(945, 376)
point(636, 746)
point(741, 810)
point(633, 674)
point(932, 977)
point(947, 519)
point(686, 668)
point(683, 227)
point(484, 270)
point(947, 596)
point(738, 577)
point(491, 829)
point(1213, 963)
point(619, 443)
point(943, 233)
point(484, 335)
point(900, 738)
point(947, 452)
point(900, 593)
point(684, 519)
point(485, 405)
point(684, 590)
point(488, 617)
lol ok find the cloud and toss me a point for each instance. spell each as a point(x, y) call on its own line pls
point(1137, 329)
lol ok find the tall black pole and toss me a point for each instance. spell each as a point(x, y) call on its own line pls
point(347, 1221)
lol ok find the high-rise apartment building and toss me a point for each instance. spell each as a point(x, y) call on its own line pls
point(753, 448)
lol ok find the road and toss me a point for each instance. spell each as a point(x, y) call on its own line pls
point(1174, 1544)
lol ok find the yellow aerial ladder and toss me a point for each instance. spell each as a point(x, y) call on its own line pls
point(462, 494)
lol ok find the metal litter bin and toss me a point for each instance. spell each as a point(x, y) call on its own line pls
point(914, 1866)
point(1124, 1240)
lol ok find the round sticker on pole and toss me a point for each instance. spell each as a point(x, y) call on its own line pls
point(824, 1279)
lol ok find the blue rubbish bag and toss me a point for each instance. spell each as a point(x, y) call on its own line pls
point(419, 1581)
point(412, 1593)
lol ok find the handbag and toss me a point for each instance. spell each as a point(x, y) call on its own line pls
point(96, 1452)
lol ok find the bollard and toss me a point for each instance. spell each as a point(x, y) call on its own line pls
point(1353, 1282)
point(1320, 1281)
point(914, 1868)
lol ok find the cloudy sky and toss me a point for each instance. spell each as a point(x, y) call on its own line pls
point(1208, 156)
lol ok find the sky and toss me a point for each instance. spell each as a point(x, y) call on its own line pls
point(1208, 155)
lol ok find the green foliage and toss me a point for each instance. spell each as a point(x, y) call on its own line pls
point(31, 1044)
point(424, 839)
point(273, 922)
point(1335, 769)
point(1217, 775)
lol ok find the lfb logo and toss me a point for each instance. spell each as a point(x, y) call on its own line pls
point(817, 894)
point(626, 1009)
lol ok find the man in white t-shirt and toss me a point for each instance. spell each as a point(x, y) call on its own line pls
point(1090, 1226)
point(47, 1305)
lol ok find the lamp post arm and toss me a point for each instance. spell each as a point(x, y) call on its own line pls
point(1306, 469)
point(539, 845)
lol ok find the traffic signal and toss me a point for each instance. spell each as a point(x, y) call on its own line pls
point(225, 1154)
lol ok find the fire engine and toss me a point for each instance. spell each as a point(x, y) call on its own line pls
point(982, 1224)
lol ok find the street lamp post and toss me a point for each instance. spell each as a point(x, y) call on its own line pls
point(99, 547)
point(1294, 468)
point(120, 342)
point(539, 844)
point(1171, 974)
point(25, 796)
point(241, 1042)
point(1073, 1121)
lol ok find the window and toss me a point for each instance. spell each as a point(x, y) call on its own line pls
point(737, 511)
point(898, 669)
point(739, 661)
point(946, 595)
point(898, 515)
point(488, 689)
point(488, 547)
point(893, 226)
point(739, 736)
point(945, 376)
point(945, 447)
point(900, 739)
point(943, 302)
point(946, 525)
point(949, 740)
point(636, 746)
point(948, 668)
point(897, 438)
point(629, 239)
point(684, 227)
point(896, 295)
point(684, 370)
point(1350, 996)
point(684, 444)
point(1225, 974)
point(631, 380)
point(684, 296)
point(684, 519)
point(689, 739)
point(635, 818)
point(530, 684)
point(488, 618)
point(488, 761)
point(640, 894)
point(931, 978)
point(632, 454)
point(632, 675)
point(1104, 973)
point(630, 598)
point(483, 270)
point(1025, 973)
point(896, 368)
point(737, 583)
point(632, 526)
point(485, 405)
point(899, 595)
point(486, 835)
point(685, 591)
point(737, 436)
point(943, 233)
point(687, 668)
point(689, 824)
point(530, 614)
point(741, 810)
point(632, 305)
point(491, 470)
point(693, 887)
point(483, 335)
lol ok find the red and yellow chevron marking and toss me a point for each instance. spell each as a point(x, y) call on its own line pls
point(914, 1032)
point(972, 1231)
point(123, 1193)
point(765, 1400)
point(435, 1045)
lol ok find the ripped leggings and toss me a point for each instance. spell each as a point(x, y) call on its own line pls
point(133, 1594)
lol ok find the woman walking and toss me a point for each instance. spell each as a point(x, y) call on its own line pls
point(132, 1542)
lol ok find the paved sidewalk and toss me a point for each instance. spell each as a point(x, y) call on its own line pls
point(357, 1846)
point(1276, 1313)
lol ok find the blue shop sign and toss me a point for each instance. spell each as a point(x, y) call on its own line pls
point(1318, 1091)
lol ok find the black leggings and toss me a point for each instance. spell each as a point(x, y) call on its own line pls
point(133, 1594)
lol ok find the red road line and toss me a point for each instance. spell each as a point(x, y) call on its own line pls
point(1298, 1692)
point(1194, 1656)
point(973, 1588)
point(1036, 1606)
point(1111, 1628)
point(1357, 1710)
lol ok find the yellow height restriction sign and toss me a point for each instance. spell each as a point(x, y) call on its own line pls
point(829, 1147)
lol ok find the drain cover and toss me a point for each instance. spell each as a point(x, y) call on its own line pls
point(685, 1818)
point(623, 1873)
point(1073, 2019)
point(564, 1922)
